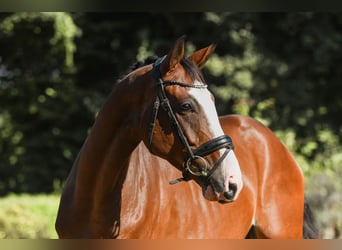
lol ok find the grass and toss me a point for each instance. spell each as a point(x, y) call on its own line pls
point(28, 216)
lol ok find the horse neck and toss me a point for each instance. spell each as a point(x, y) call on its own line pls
point(103, 161)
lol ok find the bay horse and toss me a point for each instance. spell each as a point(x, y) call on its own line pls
point(158, 123)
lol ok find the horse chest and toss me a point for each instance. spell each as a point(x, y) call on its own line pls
point(177, 213)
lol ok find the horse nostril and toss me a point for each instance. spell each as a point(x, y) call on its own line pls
point(233, 186)
point(230, 194)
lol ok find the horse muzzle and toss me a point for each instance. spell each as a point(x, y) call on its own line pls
point(225, 196)
point(226, 183)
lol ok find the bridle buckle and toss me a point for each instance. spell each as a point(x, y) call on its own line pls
point(193, 169)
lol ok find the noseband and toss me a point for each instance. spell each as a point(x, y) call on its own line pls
point(194, 156)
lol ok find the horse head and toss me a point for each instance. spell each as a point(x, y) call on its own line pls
point(183, 125)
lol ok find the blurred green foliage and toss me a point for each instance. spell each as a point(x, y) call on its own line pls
point(56, 69)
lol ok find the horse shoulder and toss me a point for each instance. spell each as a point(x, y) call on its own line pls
point(252, 137)
point(274, 173)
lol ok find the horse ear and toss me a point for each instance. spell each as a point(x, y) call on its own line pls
point(174, 57)
point(200, 57)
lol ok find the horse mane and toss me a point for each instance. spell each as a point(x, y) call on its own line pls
point(148, 60)
point(188, 65)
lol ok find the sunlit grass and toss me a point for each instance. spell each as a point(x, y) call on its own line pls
point(28, 216)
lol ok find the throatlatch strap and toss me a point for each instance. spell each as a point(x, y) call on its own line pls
point(153, 121)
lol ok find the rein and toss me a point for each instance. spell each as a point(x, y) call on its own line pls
point(197, 154)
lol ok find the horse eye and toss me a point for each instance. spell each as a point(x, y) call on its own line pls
point(186, 106)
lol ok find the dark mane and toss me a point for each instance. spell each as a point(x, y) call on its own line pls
point(146, 61)
point(188, 65)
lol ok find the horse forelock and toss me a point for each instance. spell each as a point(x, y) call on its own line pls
point(193, 71)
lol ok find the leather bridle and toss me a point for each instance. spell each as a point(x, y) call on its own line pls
point(194, 155)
